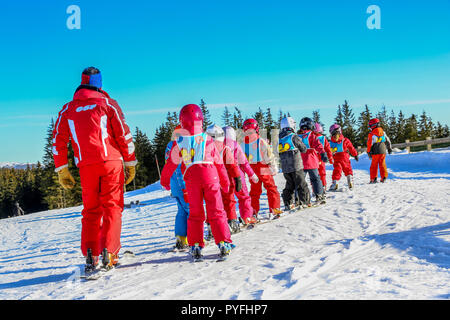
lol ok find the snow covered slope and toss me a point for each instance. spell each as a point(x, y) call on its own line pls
point(384, 241)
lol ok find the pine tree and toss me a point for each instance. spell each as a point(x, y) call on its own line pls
point(392, 126)
point(400, 128)
point(349, 122)
point(268, 122)
point(163, 136)
point(238, 120)
point(47, 159)
point(363, 126)
point(226, 117)
point(339, 119)
point(383, 117)
point(316, 118)
point(425, 126)
point(206, 116)
point(411, 131)
point(259, 117)
point(145, 168)
point(280, 117)
point(440, 131)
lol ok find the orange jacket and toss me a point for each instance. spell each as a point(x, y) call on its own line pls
point(378, 141)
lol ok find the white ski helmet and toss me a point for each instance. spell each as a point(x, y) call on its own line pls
point(288, 122)
point(215, 132)
point(230, 133)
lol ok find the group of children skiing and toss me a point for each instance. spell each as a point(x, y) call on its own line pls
point(203, 170)
point(213, 166)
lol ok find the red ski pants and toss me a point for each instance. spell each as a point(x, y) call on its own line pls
point(269, 184)
point(341, 165)
point(102, 193)
point(217, 218)
point(229, 201)
point(323, 173)
point(378, 161)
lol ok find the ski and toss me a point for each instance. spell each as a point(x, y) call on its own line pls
point(95, 274)
point(99, 272)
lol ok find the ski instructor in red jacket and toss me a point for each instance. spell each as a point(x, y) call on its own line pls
point(102, 145)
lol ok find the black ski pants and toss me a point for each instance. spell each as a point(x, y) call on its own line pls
point(296, 184)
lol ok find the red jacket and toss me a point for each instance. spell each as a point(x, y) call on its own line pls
point(228, 160)
point(211, 171)
point(311, 157)
point(345, 152)
point(326, 146)
point(95, 125)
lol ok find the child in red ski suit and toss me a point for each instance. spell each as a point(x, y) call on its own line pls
point(234, 175)
point(318, 130)
point(312, 157)
point(342, 148)
point(262, 160)
point(245, 205)
point(204, 175)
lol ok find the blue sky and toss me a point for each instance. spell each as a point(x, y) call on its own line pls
point(156, 56)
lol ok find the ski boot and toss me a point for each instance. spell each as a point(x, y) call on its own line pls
point(225, 249)
point(234, 226)
point(196, 253)
point(320, 199)
point(382, 180)
point(350, 181)
point(91, 262)
point(250, 221)
point(109, 260)
point(291, 207)
point(276, 213)
point(181, 243)
point(372, 181)
point(334, 186)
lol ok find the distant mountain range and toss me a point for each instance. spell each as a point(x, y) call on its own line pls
point(15, 165)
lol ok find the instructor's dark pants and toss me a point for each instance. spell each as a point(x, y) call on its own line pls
point(296, 183)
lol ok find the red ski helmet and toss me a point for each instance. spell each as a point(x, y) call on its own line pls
point(250, 124)
point(191, 118)
point(373, 123)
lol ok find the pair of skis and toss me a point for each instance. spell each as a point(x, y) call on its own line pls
point(99, 272)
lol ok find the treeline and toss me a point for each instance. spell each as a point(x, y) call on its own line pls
point(37, 187)
point(398, 127)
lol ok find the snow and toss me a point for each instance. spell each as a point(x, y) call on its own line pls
point(383, 241)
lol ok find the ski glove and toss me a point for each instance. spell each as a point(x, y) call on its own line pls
point(238, 184)
point(254, 178)
point(370, 155)
point(389, 151)
point(65, 178)
point(324, 157)
point(130, 172)
point(357, 158)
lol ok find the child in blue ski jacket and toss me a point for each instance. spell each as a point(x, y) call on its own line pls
point(178, 189)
